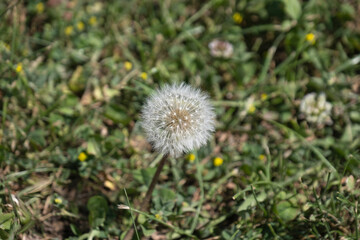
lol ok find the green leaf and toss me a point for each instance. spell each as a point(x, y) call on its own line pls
point(147, 175)
point(98, 207)
point(166, 194)
point(77, 81)
point(3, 234)
point(69, 105)
point(93, 148)
point(355, 116)
point(6, 220)
point(348, 134)
point(286, 211)
point(37, 138)
point(117, 114)
point(75, 229)
point(147, 232)
point(188, 59)
point(251, 202)
point(292, 8)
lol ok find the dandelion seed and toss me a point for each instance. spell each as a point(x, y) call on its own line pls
point(219, 48)
point(69, 30)
point(144, 75)
point(40, 7)
point(310, 37)
point(218, 161)
point(237, 18)
point(183, 130)
point(128, 65)
point(80, 26)
point(316, 109)
point(82, 157)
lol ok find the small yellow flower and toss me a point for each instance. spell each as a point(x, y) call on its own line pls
point(191, 157)
point(82, 157)
point(252, 108)
point(40, 7)
point(144, 75)
point(264, 96)
point(128, 65)
point(237, 18)
point(80, 25)
point(7, 46)
point(158, 216)
point(262, 157)
point(25, 52)
point(19, 68)
point(311, 38)
point(69, 30)
point(58, 200)
point(218, 161)
point(92, 21)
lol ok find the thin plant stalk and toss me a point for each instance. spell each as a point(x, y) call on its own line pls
point(132, 216)
point(145, 203)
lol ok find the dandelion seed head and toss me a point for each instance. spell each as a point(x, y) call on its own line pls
point(219, 48)
point(178, 119)
point(316, 109)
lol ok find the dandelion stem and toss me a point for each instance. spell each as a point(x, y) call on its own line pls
point(145, 203)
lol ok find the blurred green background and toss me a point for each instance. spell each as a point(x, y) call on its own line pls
point(73, 78)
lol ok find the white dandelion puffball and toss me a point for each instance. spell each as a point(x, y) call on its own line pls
point(219, 48)
point(316, 109)
point(178, 119)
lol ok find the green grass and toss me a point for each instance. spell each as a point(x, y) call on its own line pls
point(65, 90)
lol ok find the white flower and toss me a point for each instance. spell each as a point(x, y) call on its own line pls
point(178, 119)
point(316, 109)
point(219, 48)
